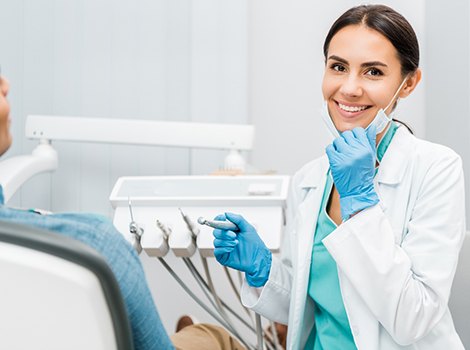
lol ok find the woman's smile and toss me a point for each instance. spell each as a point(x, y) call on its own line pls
point(350, 110)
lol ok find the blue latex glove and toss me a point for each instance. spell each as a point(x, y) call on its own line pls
point(243, 250)
point(352, 159)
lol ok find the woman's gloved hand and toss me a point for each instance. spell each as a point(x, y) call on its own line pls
point(243, 250)
point(352, 159)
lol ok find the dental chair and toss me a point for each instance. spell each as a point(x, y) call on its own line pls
point(56, 293)
point(459, 302)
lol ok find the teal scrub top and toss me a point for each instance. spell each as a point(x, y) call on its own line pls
point(332, 330)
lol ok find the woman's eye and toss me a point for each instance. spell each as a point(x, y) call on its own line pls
point(338, 67)
point(374, 72)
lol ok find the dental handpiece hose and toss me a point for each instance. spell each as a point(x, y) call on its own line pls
point(221, 225)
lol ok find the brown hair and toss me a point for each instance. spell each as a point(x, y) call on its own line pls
point(390, 24)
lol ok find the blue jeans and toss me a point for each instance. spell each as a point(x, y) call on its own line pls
point(99, 233)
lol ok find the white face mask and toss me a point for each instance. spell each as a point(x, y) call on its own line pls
point(381, 119)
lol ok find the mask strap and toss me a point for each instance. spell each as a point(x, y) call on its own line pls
point(396, 93)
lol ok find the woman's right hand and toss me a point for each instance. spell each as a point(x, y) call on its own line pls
point(352, 158)
point(243, 250)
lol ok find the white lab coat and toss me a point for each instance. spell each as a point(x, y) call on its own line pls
point(396, 260)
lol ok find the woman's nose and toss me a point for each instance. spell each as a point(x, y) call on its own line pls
point(351, 87)
point(4, 86)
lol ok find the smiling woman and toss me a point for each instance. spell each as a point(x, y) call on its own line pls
point(374, 228)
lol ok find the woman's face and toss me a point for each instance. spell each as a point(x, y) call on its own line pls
point(5, 136)
point(362, 74)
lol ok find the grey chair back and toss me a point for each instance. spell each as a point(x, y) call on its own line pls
point(57, 293)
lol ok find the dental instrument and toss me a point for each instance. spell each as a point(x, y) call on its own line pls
point(221, 225)
point(135, 230)
point(165, 230)
point(191, 226)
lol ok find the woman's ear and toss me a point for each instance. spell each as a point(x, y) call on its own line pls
point(411, 82)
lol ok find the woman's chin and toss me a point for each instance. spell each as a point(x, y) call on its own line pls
point(342, 127)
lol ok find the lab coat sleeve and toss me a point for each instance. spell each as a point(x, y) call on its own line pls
point(406, 285)
point(273, 299)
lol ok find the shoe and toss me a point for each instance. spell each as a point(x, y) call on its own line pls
point(183, 322)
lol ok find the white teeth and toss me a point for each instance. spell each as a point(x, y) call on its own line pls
point(351, 108)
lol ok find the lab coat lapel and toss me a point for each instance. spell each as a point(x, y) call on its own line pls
point(308, 212)
point(394, 163)
point(313, 183)
point(393, 168)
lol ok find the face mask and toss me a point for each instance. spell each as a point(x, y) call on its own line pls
point(325, 116)
point(381, 120)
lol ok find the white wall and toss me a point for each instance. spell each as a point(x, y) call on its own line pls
point(448, 83)
point(146, 59)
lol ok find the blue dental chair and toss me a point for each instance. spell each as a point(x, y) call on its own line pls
point(57, 294)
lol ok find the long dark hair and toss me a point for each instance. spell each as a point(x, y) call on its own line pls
point(390, 24)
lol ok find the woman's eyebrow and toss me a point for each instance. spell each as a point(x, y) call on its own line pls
point(337, 58)
point(373, 63)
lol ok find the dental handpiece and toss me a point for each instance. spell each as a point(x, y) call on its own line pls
point(191, 226)
point(135, 230)
point(221, 225)
point(166, 231)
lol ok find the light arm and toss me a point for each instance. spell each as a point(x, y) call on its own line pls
point(15, 171)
